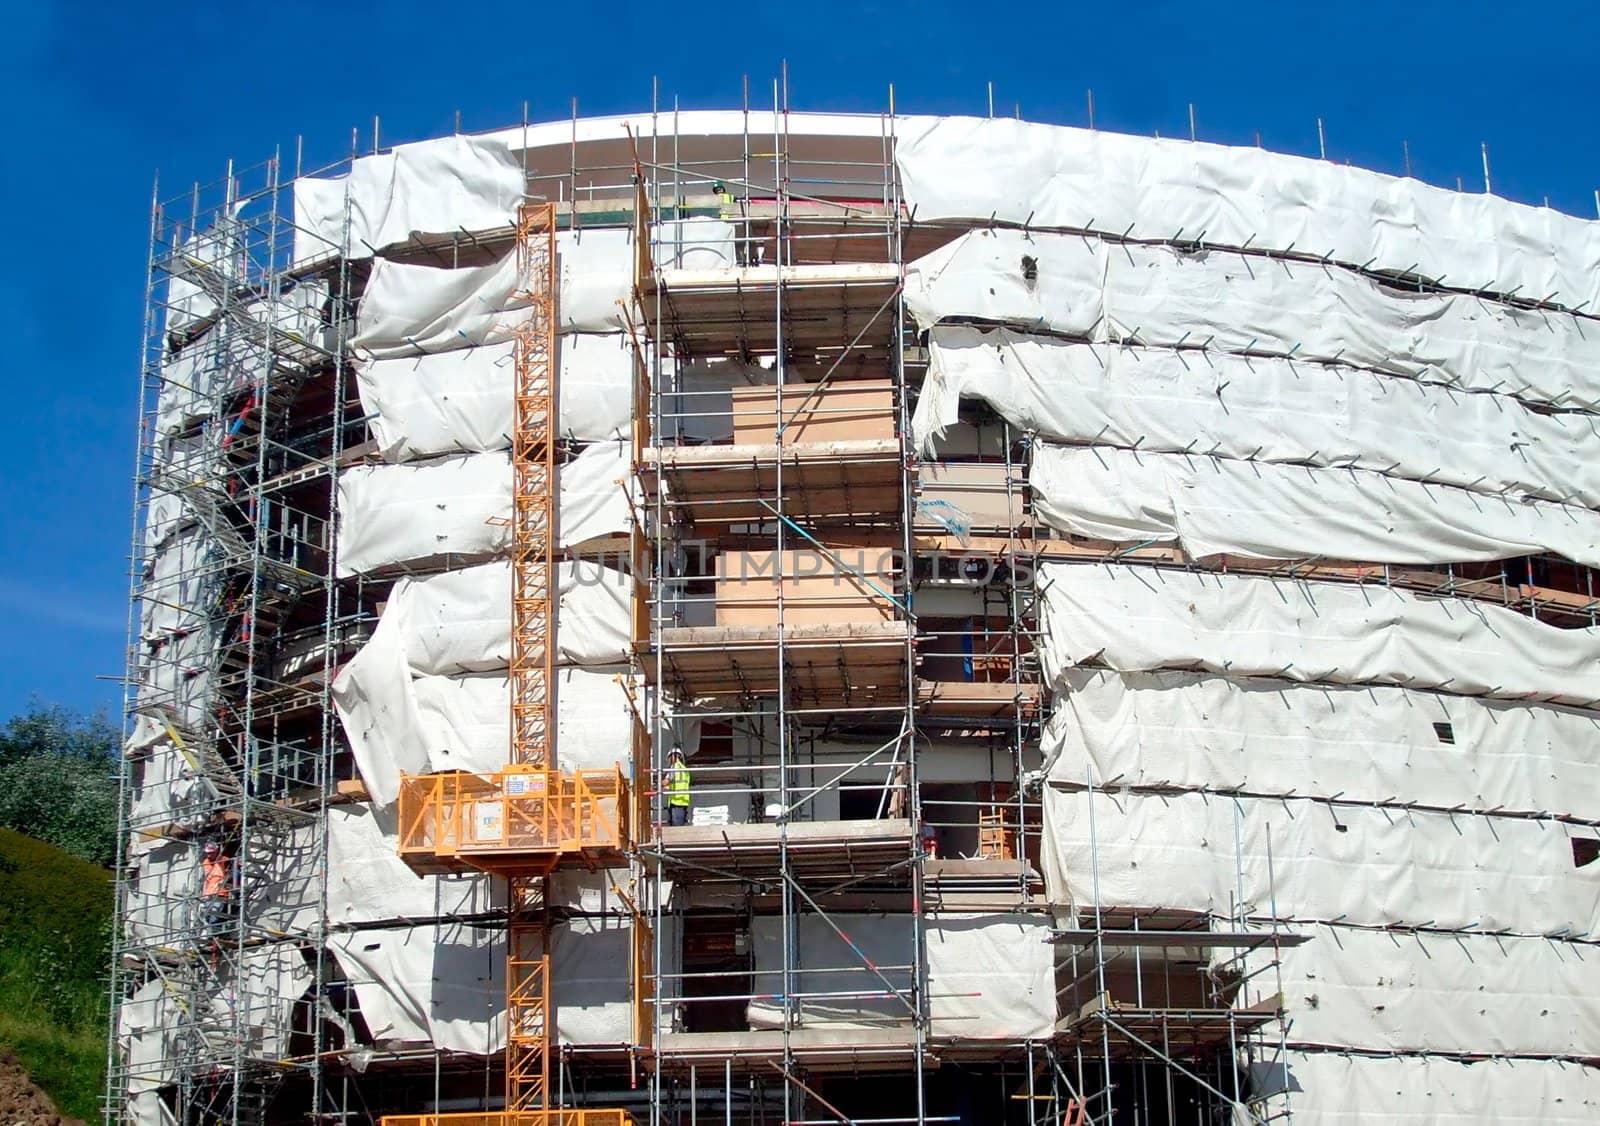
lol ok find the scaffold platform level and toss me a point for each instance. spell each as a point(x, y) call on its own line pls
point(971, 699)
point(734, 311)
point(818, 1049)
point(844, 481)
point(1133, 1030)
point(764, 850)
point(555, 1117)
point(858, 665)
point(518, 822)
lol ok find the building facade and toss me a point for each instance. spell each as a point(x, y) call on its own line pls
point(765, 616)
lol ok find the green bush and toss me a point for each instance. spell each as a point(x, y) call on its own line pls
point(55, 941)
point(58, 780)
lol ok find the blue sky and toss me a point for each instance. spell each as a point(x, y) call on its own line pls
point(100, 96)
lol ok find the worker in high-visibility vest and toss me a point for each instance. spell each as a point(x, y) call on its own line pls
point(677, 787)
point(216, 885)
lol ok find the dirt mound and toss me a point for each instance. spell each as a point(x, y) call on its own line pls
point(23, 1104)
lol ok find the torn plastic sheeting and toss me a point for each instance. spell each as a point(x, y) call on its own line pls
point(368, 882)
point(1259, 408)
point(396, 723)
point(1057, 176)
point(1336, 1089)
point(1185, 730)
point(258, 1001)
point(1213, 506)
point(460, 621)
point(442, 984)
point(1357, 864)
point(1152, 295)
point(432, 187)
point(1136, 619)
point(463, 401)
point(408, 310)
point(989, 977)
point(1469, 993)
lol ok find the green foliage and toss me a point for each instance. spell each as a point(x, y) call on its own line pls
point(55, 941)
point(57, 780)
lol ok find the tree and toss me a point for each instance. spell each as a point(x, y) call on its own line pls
point(58, 780)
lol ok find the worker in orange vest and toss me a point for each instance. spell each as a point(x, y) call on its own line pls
point(216, 885)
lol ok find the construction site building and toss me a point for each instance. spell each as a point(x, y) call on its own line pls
point(769, 617)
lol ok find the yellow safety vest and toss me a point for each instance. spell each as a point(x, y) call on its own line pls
point(677, 785)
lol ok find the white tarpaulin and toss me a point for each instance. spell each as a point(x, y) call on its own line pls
point(455, 509)
point(989, 977)
point(148, 1031)
point(398, 724)
point(444, 984)
point(1185, 730)
point(1359, 864)
point(1334, 1089)
point(1215, 506)
point(1259, 408)
point(1055, 176)
point(161, 908)
point(1137, 619)
point(258, 1001)
point(441, 984)
point(697, 243)
point(368, 882)
point(463, 400)
point(165, 791)
point(431, 187)
point(1489, 994)
point(1152, 295)
point(458, 509)
point(408, 310)
point(460, 621)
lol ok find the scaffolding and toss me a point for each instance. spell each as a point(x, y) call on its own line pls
point(837, 626)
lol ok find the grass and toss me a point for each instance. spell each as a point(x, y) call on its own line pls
point(55, 932)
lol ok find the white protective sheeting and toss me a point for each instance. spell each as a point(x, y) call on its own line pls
point(844, 993)
point(1488, 994)
point(259, 999)
point(398, 724)
point(1153, 295)
point(459, 508)
point(1367, 866)
point(408, 310)
point(165, 791)
point(460, 621)
point(989, 977)
point(441, 984)
point(594, 498)
point(161, 908)
point(431, 187)
point(1215, 506)
point(368, 882)
point(148, 1029)
point(462, 400)
point(1259, 408)
point(1136, 619)
point(1185, 730)
point(697, 243)
point(455, 508)
point(444, 984)
point(1055, 176)
point(1332, 1089)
